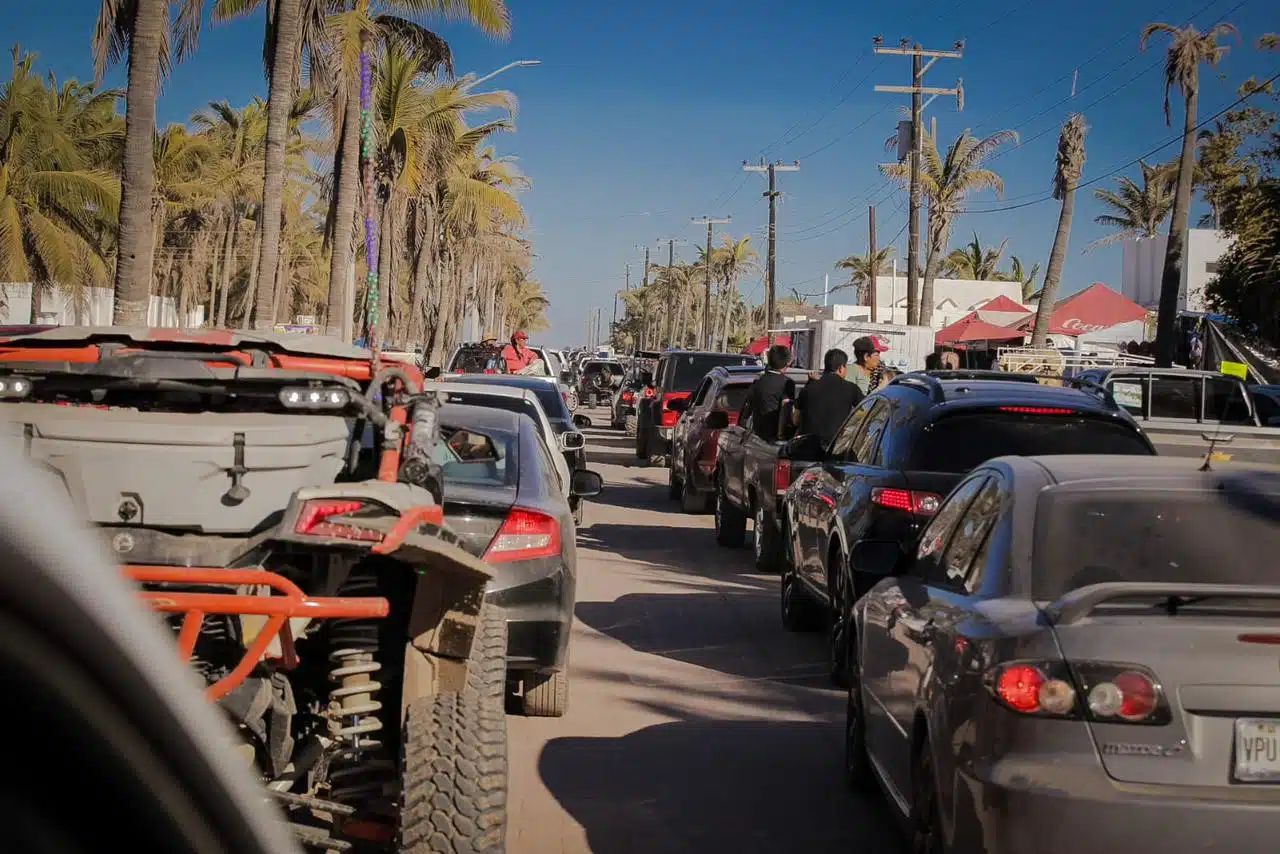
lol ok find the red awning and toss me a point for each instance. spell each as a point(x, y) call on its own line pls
point(972, 328)
point(1094, 309)
point(1003, 303)
point(758, 346)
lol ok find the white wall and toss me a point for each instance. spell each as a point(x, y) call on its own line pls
point(96, 310)
point(1144, 265)
point(952, 299)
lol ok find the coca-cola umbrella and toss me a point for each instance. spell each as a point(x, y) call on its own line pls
point(972, 328)
point(1093, 309)
point(758, 346)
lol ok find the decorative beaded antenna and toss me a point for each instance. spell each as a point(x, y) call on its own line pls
point(370, 223)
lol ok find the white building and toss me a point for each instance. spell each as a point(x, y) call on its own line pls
point(96, 310)
point(952, 299)
point(1144, 266)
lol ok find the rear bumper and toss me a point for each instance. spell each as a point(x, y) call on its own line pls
point(1071, 809)
point(538, 598)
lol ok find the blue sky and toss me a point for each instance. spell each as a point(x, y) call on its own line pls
point(641, 114)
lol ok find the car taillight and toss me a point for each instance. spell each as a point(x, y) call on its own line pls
point(669, 418)
point(526, 534)
point(627, 397)
point(313, 521)
point(781, 475)
point(1113, 693)
point(649, 392)
point(490, 371)
point(1038, 410)
point(912, 501)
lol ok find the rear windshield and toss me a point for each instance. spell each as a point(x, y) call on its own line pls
point(958, 443)
point(518, 405)
point(552, 403)
point(730, 398)
point(1223, 536)
point(613, 368)
point(457, 469)
point(687, 371)
point(474, 361)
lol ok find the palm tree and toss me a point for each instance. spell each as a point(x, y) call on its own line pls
point(1137, 210)
point(54, 197)
point(860, 272)
point(976, 261)
point(947, 182)
point(1066, 175)
point(732, 260)
point(1188, 49)
point(1018, 272)
point(357, 30)
point(141, 29)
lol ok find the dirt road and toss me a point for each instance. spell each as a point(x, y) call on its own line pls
point(696, 724)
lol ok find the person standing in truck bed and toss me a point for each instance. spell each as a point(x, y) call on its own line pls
point(826, 402)
point(764, 401)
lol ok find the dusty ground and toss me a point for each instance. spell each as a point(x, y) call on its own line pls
point(696, 724)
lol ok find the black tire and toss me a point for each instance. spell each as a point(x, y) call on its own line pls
point(926, 829)
point(546, 695)
point(857, 763)
point(731, 523)
point(454, 757)
point(642, 441)
point(840, 633)
point(799, 612)
point(692, 501)
point(768, 551)
point(675, 485)
point(629, 425)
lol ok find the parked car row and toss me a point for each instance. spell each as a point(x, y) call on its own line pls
point(1039, 623)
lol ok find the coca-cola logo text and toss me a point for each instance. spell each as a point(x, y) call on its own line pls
point(1077, 324)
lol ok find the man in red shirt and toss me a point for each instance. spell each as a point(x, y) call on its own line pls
point(517, 354)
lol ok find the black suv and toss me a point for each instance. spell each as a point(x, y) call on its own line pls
point(678, 373)
point(897, 456)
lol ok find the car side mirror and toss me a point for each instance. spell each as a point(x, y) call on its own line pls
point(585, 484)
point(807, 448)
point(678, 405)
point(878, 557)
point(571, 440)
point(582, 422)
point(717, 419)
point(432, 373)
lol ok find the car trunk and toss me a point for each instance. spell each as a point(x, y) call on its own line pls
point(476, 513)
point(1213, 682)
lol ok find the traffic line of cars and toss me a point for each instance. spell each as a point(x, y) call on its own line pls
point(1049, 636)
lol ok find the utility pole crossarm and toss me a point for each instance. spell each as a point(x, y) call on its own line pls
point(923, 90)
point(919, 51)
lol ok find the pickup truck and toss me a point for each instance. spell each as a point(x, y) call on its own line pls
point(1187, 413)
point(752, 475)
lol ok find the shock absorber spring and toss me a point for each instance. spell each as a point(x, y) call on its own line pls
point(358, 768)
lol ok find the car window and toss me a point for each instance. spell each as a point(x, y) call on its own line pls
point(701, 393)
point(933, 540)
point(851, 430)
point(731, 398)
point(1175, 397)
point(962, 441)
point(959, 564)
point(687, 370)
point(547, 469)
point(1129, 392)
point(471, 458)
point(1226, 400)
point(864, 448)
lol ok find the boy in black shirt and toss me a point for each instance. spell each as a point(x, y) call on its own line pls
point(764, 401)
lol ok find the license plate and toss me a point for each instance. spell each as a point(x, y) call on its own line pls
point(1257, 750)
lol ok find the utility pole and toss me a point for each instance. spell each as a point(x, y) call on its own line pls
point(706, 309)
point(875, 268)
point(771, 280)
point(599, 331)
point(628, 276)
point(916, 90)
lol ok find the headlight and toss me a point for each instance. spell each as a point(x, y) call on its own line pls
point(14, 387)
point(313, 398)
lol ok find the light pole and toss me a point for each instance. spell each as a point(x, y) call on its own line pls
point(520, 63)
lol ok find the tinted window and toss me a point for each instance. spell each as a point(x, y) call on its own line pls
point(552, 403)
point(933, 539)
point(452, 456)
point(851, 430)
point(731, 397)
point(1226, 535)
point(958, 443)
point(1226, 400)
point(1175, 397)
point(507, 404)
point(686, 372)
point(960, 565)
point(702, 393)
point(611, 368)
point(864, 449)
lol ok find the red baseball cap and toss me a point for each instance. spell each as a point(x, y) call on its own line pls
point(522, 336)
point(870, 344)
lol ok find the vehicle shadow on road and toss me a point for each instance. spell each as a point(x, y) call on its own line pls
point(704, 785)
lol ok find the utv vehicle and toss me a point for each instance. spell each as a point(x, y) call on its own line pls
point(278, 498)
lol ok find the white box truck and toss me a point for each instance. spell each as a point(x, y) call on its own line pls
point(810, 340)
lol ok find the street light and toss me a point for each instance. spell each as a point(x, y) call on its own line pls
point(520, 63)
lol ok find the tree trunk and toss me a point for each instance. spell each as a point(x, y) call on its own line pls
point(1171, 280)
point(137, 184)
point(938, 235)
point(386, 293)
point(228, 266)
point(344, 218)
point(184, 292)
point(284, 75)
point(252, 307)
point(1053, 274)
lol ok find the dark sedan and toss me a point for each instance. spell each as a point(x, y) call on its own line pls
point(502, 500)
point(1079, 653)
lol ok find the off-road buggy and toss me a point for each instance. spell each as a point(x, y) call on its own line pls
point(276, 497)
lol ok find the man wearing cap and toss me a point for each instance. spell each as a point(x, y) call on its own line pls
point(866, 358)
point(517, 354)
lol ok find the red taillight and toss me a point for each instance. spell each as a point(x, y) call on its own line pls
point(919, 503)
point(1270, 640)
point(490, 371)
point(1129, 696)
point(1038, 410)
point(781, 475)
point(313, 521)
point(649, 392)
point(627, 397)
point(525, 535)
point(669, 418)
point(1027, 689)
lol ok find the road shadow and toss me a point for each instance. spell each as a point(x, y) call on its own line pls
point(669, 546)
point(701, 786)
point(734, 631)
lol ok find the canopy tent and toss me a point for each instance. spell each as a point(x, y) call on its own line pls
point(971, 327)
point(1003, 303)
point(1093, 310)
point(758, 346)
